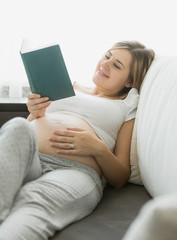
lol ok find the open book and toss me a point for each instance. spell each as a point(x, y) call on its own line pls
point(46, 72)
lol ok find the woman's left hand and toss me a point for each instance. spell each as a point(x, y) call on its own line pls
point(75, 141)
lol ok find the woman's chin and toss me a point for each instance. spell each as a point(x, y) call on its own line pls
point(96, 79)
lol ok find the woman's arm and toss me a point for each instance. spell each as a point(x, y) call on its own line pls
point(115, 167)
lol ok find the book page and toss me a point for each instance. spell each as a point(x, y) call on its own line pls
point(27, 46)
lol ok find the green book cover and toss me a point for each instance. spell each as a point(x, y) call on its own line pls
point(47, 73)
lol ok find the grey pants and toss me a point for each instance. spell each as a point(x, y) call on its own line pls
point(40, 194)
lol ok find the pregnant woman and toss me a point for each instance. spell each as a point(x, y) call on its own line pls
point(54, 165)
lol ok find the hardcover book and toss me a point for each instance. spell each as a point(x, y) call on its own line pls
point(47, 73)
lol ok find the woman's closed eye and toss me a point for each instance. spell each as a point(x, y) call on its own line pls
point(108, 57)
point(116, 66)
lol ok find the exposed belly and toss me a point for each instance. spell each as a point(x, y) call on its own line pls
point(44, 127)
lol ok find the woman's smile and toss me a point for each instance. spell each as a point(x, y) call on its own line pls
point(102, 74)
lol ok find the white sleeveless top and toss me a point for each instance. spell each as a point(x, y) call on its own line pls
point(105, 116)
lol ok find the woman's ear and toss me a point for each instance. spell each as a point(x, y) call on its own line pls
point(128, 84)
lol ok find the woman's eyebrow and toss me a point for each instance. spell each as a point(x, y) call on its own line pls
point(120, 62)
point(116, 59)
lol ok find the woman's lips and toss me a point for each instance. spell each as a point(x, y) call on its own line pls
point(101, 73)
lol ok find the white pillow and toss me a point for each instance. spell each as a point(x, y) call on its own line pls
point(156, 220)
point(135, 176)
point(157, 127)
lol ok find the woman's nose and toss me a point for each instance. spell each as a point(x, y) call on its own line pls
point(105, 65)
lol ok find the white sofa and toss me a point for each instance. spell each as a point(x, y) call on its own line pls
point(154, 153)
point(146, 209)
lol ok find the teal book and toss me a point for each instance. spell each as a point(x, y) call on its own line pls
point(47, 73)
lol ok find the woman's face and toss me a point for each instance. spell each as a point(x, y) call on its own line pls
point(112, 71)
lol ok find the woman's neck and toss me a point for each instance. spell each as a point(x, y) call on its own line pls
point(97, 92)
point(100, 93)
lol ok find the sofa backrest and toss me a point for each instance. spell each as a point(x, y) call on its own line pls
point(156, 126)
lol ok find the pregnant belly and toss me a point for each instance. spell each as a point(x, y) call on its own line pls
point(46, 125)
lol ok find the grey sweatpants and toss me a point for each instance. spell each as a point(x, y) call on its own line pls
point(40, 194)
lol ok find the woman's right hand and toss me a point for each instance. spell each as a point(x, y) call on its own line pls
point(37, 105)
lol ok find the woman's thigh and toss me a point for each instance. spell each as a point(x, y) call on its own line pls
point(50, 203)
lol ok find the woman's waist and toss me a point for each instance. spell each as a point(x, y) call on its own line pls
point(54, 162)
point(89, 161)
point(44, 128)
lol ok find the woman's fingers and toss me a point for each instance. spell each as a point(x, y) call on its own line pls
point(61, 145)
point(67, 151)
point(37, 101)
point(66, 133)
point(39, 106)
point(72, 141)
point(75, 129)
point(61, 139)
point(33, 96)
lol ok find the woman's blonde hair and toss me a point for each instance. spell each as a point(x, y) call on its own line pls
point(142, 58)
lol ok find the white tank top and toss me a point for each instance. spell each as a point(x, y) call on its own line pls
point(105, 116)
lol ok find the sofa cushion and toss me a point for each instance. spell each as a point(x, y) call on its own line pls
point(157, 128)
point(112, 217)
